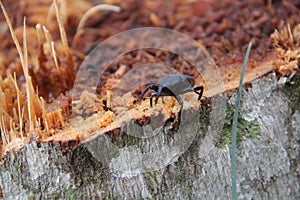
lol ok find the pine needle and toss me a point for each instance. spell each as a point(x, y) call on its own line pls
point(234, 126)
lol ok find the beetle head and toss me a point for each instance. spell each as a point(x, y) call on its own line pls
point(190, 79)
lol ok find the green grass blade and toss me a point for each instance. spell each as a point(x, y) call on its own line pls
point(234, 126)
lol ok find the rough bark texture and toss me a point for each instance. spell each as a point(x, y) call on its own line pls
point(267, 165)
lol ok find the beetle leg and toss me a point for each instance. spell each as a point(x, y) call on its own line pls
point(151, 96)
point(158, 94)
point(201, 91)
point(178, 98)
point(189, 89)
point(152, 87)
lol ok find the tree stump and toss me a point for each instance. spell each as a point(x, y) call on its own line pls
point(267, 163)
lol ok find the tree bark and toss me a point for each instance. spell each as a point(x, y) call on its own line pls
point(267, 164)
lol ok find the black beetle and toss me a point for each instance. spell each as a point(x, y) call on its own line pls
point(173, 85)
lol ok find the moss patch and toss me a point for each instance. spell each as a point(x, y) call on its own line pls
point(292, 90)
point(245, 129)
point(127, 140)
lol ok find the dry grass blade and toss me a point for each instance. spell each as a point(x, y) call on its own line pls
point(13, 34)
point(54, 54)
point(63, 34)
point(4, 133)
point(39, 34)
point(95, 9)
point(22, 58)
point(47, 36)
point(13, 103)
point(50, 44)
point(19, 106)
point(28, 79)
